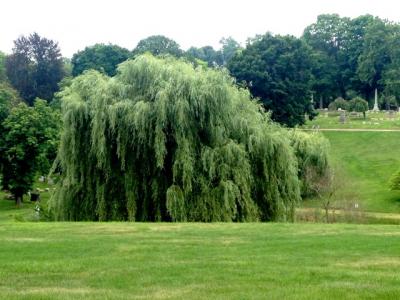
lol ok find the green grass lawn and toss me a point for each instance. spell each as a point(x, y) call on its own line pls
point(198, 261)
point(381, 120)
point(9, 212)
point(366, 161)
point(26, 212)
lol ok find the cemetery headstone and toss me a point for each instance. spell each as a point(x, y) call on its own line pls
point(342, 117)
point(376, 108)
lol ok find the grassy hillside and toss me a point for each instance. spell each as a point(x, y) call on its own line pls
point(193, 261)
point(26, 212)
point(365, 161)
point(8, 211)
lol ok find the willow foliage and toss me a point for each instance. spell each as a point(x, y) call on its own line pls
point(165, 141)
point(312, 155)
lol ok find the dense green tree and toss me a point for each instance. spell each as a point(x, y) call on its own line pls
point(228, 49)
point(339, 103)
point(353, 46)
point(163, 140)
point(374, 57)
point(391, 73)
point(324, 74)
point(358, 104)
point(3, 75)
point(277, 69)
point(327, 39)
point(391, 83)
point(67, 67)
point(338, 43)
point(100, 57)
point(351, 56)
point(9, 98)
point(206, 54)
point(35, 67)
point(158, 45)
point(28, 140)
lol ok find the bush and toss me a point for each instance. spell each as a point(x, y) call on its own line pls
point(339, 103)
point(358, 105)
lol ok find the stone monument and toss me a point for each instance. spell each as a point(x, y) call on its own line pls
point(342, 116)
point(376, 108)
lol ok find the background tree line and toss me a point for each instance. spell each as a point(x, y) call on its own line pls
point(335, 57)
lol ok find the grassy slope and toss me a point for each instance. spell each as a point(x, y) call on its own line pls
point(192, 261)
point(8, 211)
point(367, 160)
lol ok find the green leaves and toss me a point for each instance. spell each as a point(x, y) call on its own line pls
point(103, 58)
point(163, 140)
point(277, 69)
point(158, 45)
point(358, 104)
point(35, 68)
point(28, 144)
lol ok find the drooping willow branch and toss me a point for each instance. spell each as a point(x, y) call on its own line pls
point(163, 140)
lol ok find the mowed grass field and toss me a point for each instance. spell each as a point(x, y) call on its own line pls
point(198, 261)
point(366, 161)
point(82, 260)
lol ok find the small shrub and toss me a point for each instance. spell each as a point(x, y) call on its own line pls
point(339, 103)
point(358, 104)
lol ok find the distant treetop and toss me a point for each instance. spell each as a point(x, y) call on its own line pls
point(100, 57)
point(158, 45)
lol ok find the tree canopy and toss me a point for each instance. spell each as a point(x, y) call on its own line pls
point(358, 104)
point(28, 142)
point(3, 76)
point(158, 45)
point(353, 57)
point(100, 57)
point(35, 67)
point(277, 69)
point(207, 54)
point(229, 47)
point(163, 140)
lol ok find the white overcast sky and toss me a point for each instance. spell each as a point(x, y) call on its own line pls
point(76, 24)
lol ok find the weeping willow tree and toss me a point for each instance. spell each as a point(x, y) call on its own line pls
point(311, 151)
point(163, 140)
